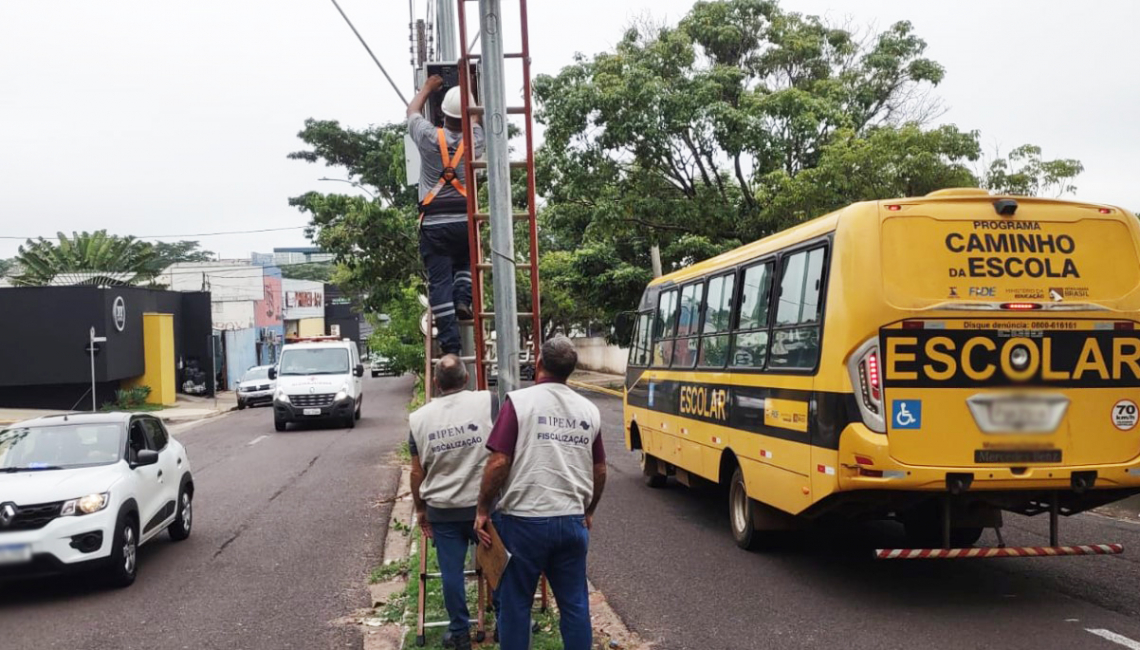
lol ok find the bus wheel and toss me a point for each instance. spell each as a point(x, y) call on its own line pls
point(649, 469)
point(740, 513)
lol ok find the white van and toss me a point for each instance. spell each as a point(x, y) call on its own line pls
point(318, 380)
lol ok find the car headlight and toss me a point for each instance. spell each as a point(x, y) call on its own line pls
point(341, 395)
point(282, 397)
point(87, 505)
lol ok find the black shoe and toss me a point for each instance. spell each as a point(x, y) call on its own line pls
point(463, 312)
point(459, 641)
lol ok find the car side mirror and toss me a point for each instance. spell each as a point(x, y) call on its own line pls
point(358, 370)
point(146, 457)
point(273, 373)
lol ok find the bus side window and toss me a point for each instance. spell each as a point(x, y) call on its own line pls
point(639, 350)
point(718, 318)
point(688, 325)
point(795, 340)
point(664, 328)
point(751, 342)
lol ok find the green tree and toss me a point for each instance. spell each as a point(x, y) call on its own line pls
point(167, 253)
point(741, 120)
point(86, 258)
point(373, 237)
point(400, 340)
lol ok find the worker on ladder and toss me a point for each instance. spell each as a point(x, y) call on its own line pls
point(443, 209)
point(447, 443)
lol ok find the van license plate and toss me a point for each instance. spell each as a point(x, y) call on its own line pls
point(312, 411)
point(15, 553)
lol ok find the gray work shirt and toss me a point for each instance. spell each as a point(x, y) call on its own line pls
point(431, 167)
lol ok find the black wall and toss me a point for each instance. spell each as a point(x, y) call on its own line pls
point(44, 333)
point(342, 311)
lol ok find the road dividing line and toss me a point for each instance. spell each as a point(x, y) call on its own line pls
point(256, 440)
point(1119, 639)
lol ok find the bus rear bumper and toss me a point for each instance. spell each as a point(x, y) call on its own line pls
point(865, 463)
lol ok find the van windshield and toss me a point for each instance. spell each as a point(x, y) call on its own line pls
point(318, 361)
point(933, 259)
point(60, 447)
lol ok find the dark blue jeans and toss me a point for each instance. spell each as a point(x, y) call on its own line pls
point(451, 541)
point(447, 257)
point(557, 547)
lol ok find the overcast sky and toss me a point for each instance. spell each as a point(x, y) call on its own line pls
point(158, 118)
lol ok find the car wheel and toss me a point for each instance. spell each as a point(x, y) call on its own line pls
point(358, 407)
point(241, 405)
point(375, 375)
point(124, 553)
point(280, 425)
point(180, 529)
point(649, 470)
point(740, 513)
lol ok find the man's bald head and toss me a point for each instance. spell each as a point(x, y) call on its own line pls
point(450, 373)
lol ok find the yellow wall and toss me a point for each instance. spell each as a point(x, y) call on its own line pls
point(311, 327)
point(158, 351)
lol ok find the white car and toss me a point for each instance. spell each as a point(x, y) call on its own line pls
point(255, 387)
point(84, 491)
point(318, 381)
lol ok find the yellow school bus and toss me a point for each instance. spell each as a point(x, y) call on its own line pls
point(935, 360)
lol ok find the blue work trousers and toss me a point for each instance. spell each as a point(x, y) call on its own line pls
point(447, 257)
point(555, 546)
point(452, 538)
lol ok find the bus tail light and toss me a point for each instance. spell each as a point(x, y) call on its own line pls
point(867, 379)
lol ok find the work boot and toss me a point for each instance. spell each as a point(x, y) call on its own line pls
point(459, 641)
point(463, 311)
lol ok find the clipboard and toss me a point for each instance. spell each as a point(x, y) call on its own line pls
point(493, 561)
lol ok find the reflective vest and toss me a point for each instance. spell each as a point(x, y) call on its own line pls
point(449, 175)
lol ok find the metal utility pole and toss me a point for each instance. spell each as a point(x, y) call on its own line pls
point(92, 340)
point(499, 197)
point(655, 259)
point(445, 31)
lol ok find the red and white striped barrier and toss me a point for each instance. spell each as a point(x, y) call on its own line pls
point(993, 551)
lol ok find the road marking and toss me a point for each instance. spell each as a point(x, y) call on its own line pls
point(1118, 639)
point(256, 440)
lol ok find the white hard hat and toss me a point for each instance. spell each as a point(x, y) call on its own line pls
point(452, 103)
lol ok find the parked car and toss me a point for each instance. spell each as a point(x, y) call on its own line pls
point(85, 491)
point(256, 387)
point(318, 380)
point(381, 366)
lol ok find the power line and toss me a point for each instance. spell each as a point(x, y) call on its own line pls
point(362, 42)
point(197, 234)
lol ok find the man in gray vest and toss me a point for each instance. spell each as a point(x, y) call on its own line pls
point(549, 464)
point(443, 208)
point(448, 449)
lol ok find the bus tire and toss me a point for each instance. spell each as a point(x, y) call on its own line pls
point(740, 513)
point(927, 533)
point(650, 469)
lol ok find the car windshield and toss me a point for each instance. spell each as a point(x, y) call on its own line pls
point(256, 373)
point(317, 361)
point(60, 447)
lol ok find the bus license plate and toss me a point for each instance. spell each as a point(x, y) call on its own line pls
point(15, 553)
point(312, 411)
point(996, 413)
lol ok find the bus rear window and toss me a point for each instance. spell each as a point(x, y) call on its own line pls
point(927, 260)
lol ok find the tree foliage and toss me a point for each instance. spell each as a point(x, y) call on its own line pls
point(100, 259)
point(316, 271)
point(739, 121)
point(400, 339)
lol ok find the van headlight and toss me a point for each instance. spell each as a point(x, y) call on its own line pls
point(281, 397)
point(87, 505)
point(341, 395)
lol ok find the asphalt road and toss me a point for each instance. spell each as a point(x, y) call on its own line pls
point(287, 528)
point(666, 561)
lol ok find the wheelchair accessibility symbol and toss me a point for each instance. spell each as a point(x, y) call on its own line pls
point(906, 413)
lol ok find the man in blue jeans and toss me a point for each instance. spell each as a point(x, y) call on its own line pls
point(448, 453)
point(549, 464)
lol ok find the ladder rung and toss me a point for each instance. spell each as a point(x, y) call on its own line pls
point(519, 266)
point(471, 359)
point(517, 216)
point(482, 164)
point(522, 314)
point(507, 55)
point(511, 110)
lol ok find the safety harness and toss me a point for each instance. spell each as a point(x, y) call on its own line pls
point(449, 175)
